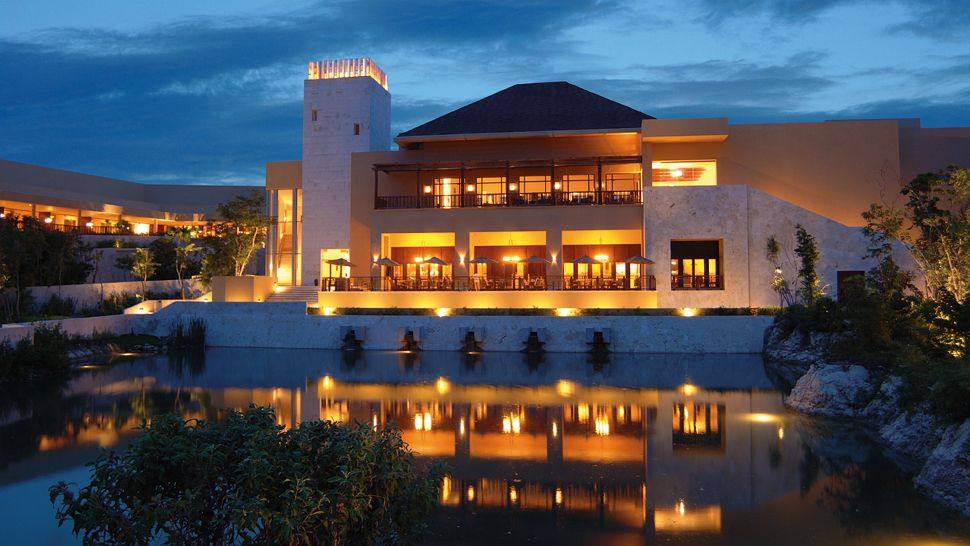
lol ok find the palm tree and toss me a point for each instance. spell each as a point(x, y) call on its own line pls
point(181, 238)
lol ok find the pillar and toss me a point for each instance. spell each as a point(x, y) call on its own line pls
point(554, 253)
point(272, 243)
point(462, 249)
point(295, 237)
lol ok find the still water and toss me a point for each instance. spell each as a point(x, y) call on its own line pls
point(642, 449)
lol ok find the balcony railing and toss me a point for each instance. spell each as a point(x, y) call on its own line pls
point(696, 282)
point(512, 199)
point(462, 284)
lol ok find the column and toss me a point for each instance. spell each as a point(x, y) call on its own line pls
point(295, 237)
point(554, 254)
point(272, 244)
point(462, 252)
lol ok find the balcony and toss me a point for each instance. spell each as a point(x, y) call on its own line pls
point(696, 282)
point(572, 182)
point(476, 284)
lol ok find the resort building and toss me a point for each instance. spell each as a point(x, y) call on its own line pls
point(548, 195)
point(95, 205)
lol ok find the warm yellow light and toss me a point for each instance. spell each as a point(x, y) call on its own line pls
point(558, 496)
point(443, 311)
point(676, 173)
point(555, 430)
point(89, 224)
point(565, 311)
point(418, 259)
point(470, 187)
point(461, 258)
point(327, 382)
point(427, 189)
point(418, 421)
point(513, 187)
point(140, 229)
point(442, 385)
point(763, 417)
point(48, 220)
point(506, 424)
point(554, 255)
point(601, 425)
point(688, 312)
point(681, 508)
point(470, 494)
point(565, 388)
point(445, 488)
point(328, 311)
point(601, 258)
point(688, 389)
point(278, 289)
point(513, 495)
point(557, 186)
point(781, 433)
point(374, 422)
point(461, 426)
point(516, 424)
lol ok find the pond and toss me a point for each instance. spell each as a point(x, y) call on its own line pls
point(656, 449)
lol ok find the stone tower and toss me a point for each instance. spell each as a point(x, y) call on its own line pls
point(346, 109)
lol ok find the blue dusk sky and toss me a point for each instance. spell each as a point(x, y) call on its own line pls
point(194, 91)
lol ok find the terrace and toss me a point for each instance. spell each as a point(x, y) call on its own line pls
point(565, 182)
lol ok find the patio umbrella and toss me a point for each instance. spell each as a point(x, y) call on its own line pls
point(535, 260)
point(584, 259)
point(483, 260)
point(341, 262)
point(434, 260)
point(387, 262)
point(638, 259)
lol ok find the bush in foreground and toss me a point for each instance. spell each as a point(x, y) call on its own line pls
point(245, 479)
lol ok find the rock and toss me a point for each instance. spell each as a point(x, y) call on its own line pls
point(946, 474)
point(832, 390)
point(789, 355)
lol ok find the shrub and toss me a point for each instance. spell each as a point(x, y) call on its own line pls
point(35, 358)
point(112, 304)
point(247, 480)
point(56, 306)
point(192, 337)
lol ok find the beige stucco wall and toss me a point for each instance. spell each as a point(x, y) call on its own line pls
point(511, 299)
point(247, 288)
point(742, 218)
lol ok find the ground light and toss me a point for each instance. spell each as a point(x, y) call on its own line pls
point(443, 311)
point(565, 312)
point(328, 311)
point(688, 312)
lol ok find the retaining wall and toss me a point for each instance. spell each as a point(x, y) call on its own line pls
point(89, 294)
point(115, 324)
point(286, 325)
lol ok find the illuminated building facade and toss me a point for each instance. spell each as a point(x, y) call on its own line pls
point(547, 195)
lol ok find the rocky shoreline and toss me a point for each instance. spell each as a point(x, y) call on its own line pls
point(841, 390)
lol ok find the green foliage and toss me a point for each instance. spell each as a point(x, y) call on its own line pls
point(142, 265)
point(809, 286)
point(31, 255)
point(35, 358)
point(240, 232)
point(112, 304)
point(57, 306)
point(245, 479)
point(193, 336)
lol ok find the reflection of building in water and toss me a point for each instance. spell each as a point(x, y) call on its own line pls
point(666, 461)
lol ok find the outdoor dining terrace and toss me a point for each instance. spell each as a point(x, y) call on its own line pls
point(446, 185)
point(480, 283)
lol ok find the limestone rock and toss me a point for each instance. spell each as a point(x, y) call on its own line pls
point(789, 355)
point(832, 390)
point(946, 474)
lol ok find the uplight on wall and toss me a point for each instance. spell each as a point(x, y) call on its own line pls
point(427, 189)
point(601, 258)
point(513, 187)
point(443, 311)
point(565, 311)
point(688, 312)
point(470, 188)
point(557, 186)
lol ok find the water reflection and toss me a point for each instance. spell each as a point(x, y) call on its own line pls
point(665, 448)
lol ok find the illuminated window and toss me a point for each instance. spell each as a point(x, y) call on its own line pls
point(695, 265)
point(313, 114)
point(684, 173)
point(356, 128)
point(491, 190)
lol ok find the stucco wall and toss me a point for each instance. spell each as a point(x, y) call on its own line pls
point(285, 325)
point(115, 324)
point(742, 218)
point(89, 294)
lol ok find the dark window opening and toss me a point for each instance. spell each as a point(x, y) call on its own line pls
point(313, 114)
point(847, 280)
point(695, 265)
point(356, 128)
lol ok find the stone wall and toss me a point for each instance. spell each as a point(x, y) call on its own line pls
point(87, 326)
point(285, 325)
point(88, 294)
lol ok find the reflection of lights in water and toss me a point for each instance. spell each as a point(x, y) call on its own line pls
point(511, 423)
point(374, 421)
point(582, 413)
point(445, 488)
point(470, 493)
point(422, 421)
point(763, 417)
point(513, 495)
point(781, 433)
point(442, 385)
point(681, 507)
point(688, 389)
point(621, 413)
point(602, 425)
point(327, 382)
point(558, 497)
point(461, 426)
point(555, 430)
point(564, 388)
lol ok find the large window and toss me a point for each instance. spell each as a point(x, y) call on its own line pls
point(685, 173)
point(695, 265)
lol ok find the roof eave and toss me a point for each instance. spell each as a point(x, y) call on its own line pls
point(414, 139)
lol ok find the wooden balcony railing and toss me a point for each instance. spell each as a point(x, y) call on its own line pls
point(512, 199)
point(696, 282)
point(462, 284)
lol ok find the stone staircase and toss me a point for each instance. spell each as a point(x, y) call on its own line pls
point(308, 294)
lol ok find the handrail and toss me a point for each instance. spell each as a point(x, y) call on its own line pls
point(696, 282)
point(479, 283)
point(511, 199)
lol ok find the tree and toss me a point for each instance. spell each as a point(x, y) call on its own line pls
point(778, 281)
point(247, 480)
point(806, 249)
point(184, 248)
point(240, 232)
point(934, 225)
point(141, 265)
point(174, 252)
